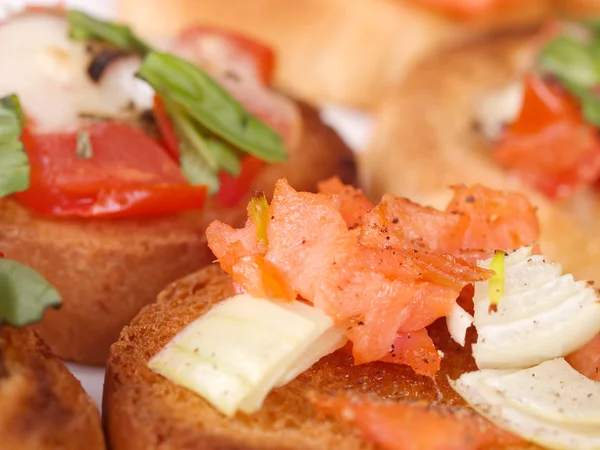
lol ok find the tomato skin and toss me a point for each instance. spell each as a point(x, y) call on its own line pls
point(550, 146)
point(467, 9)
point(233, 189)
point(128, 175)
point(263, 56)
point(166, 128)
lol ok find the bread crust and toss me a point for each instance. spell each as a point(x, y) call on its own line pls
point(143, 410)
point(42, 406)
point(106, 270)
point(342, 51)
point(425, 140)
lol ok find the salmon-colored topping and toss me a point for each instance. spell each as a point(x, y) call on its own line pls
point(415, 426)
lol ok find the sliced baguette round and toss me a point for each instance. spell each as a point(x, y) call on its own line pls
point(425, 140)
point(42, 406)
point(144, 411)
point(106, 270)
point(343, 51)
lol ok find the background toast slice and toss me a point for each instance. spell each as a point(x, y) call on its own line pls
point(42, 406)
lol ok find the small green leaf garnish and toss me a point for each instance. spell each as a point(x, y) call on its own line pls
point(575, 63)
point(24, 294)
point(83, 27)
point(496, 285)
point(213, 128)
point(14, 164)
point(258, 211)
point(84, 145)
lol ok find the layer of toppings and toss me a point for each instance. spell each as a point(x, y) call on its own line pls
point(25, 294)
point(545, 125)
point(376, 276)
point(116, 128)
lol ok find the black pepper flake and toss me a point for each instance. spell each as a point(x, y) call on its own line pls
point(303, 241)
point(425, 360)
point(361, 323)
point(470, 199)
point(395, 220)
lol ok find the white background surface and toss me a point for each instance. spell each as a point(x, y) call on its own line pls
point(354, 127)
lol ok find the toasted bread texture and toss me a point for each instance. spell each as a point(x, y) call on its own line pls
point(42, 406)
point(106, 270)
point(343, 51)
point(143, 410)
point(426, 140)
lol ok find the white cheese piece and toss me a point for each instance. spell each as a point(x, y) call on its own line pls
point(542, 315)
point(245, 346)
point(499, 108)
point(458, 322)
point(541, 404)
point(49, 73)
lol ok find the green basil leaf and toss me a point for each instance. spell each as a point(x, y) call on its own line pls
point(568, 59)
point(196, 170)
point(227, 157)
point(204, 100)
point(83, 27)
point(14, 164)
point(24, 294)
point(589, 100)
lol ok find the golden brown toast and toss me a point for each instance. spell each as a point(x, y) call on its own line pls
point(143, 410)
point(426, 139)
point(343, 51)
point(106, 270)
point(42, 406)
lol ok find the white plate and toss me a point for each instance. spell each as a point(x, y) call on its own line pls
point(354, 127)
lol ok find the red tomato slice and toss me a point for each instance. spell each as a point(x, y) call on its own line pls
point(166, 129)
point(233, 189)
point(550, 146)
point(466, 9)
point(240, 47)
point(128, 175)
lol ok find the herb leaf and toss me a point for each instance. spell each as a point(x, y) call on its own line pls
point(83, 27)
point(84, 148)
point(14, 164)
point(211, 106)
point(24, 294)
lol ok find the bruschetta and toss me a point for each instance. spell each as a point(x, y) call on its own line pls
point(338, 51)
point(345, 324)
point(501, 112)
point(42, 405)
point(121, 173)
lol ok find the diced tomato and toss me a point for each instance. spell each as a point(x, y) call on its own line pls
point(586, 360)
point(127, 175)
point(550, 146)
point(412, 426)
point(467, 9)
point(417, 350)
point(240, 47)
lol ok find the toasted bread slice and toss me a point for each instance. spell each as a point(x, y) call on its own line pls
point(42, 406)
point(343, 51)
point(106, 270)
point(426, 139)
point(143, 410)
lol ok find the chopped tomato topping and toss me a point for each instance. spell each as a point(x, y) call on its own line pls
point(416, 426)
point(550, 145)
point(127, 175)
point(166, 128)
point(234, 189)
point(390, 270)
point(238, 47)
point(416, 350)
point(586, 360)
point(467, 9)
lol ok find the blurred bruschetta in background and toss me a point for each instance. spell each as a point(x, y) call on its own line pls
point(514, 111)
point(343, 51)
